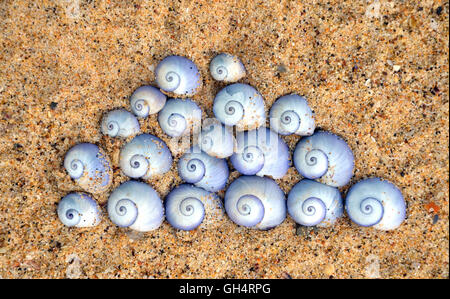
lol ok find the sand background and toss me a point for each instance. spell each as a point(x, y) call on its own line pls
point(376, 73)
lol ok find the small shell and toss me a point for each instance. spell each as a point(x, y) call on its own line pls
point(145, 156)
point(147, 100)
point(89, 166)
point(78, 209)
point(227, 68)
point(311, 203)
point(291, 114)
point(261, 152)
point(216, 140)
point(377, 203)
point(136, 205)
point(178, 75)
point(256, 202)
point(119, 123)
point(240, 105)
point(178, 117)
point(197, 167)
point(188, 207)
point(326, 157)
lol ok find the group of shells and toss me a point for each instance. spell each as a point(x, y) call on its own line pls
point(254, 199)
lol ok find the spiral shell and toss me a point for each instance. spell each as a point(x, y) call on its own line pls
point(216, 140)
point(147, 100)
point(119, 123)
point(89, 166)
point(79, 210)
point(145, 156)
point(326, 157)
point(227, 68)
point(178, 75)
point(291, 114)
point(261, 152)
point(197, 167)
point(178, 117)
point(375, 202)
point(188, 207)
point(312, 203)
point(135, 205)
point(240, 105)
point(256, 202)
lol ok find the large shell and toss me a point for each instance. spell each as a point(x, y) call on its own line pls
point(326, 157)
point(188, 207)
point(178, 75)
point(178, 117)
point(375, 202)
point(291, 114)
point(227, 68)
point(147, 100)
point(312, 203)
point(89, 166)
point(79, 210)
point(119, 123)
point(197, 167)
point(240, 105)
point(256, 202)
point(261, 152)
point(145, 156)
point(216, 140)
point(136, 205)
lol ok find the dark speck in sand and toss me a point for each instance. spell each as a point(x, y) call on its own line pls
point(435, 218)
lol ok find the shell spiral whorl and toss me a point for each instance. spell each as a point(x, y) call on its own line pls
point(240, 105)
point(197, 167)
point(290, 114)
point(145, 156)
point(178, 116)
point(326, 157)
point(135, 205)
point(147, 100)
point(79, 210)
point(119, 123)
point(127, 212)
point(227, 68)
point(255, 202)
point(261, 152)
point(178, 75)
point(89, 166)
point(188, 207)
point(377, 203)
point(312, 203)
point(252, 210)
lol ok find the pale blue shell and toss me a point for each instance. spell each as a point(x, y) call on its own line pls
point(227, 68)
point(291, 114)
point(179, 116)
point(145, 156)
point(89, 166)
point(188, 207)
point(119, 123)
point(216, 140)
point(178, 75)
point(136, 205)
point(256, 202)
point(240, 105)
point(326, 157)
point(375, 202)
point(147, 100)
point(261, 152)
point(197, 167)
point(312, 203)
point(79, 210)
